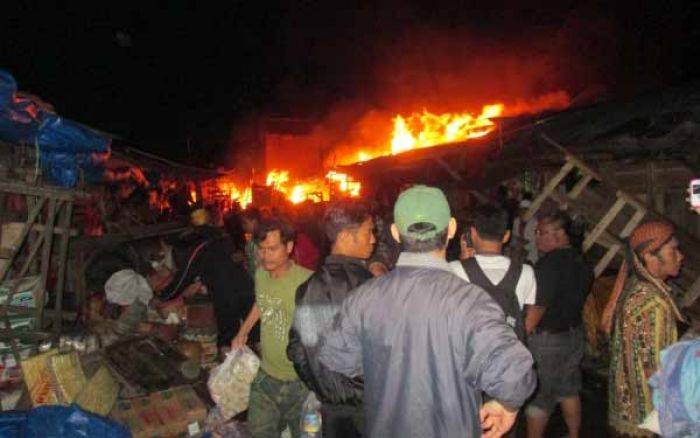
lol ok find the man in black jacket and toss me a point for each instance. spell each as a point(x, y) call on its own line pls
point(204, 255)
point(348, 225)
point(426, 342)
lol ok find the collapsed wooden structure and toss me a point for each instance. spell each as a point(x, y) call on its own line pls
point(613, 165)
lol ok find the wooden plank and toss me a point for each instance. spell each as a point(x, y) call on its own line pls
point(548, 189)
point(580, 186)
point(31, 257)
point(31, 218)
point(48, 192)
point(56, 230)
point(571, 157)
point(603, 224)
point(61, 273)
point(613, 250)
point(31, 336)
point(449, 169)
point(45, 261)
point(692, 294)
point(22, 311)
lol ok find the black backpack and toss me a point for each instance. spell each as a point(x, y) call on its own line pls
point(503, 292)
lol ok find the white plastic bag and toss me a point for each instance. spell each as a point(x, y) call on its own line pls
point(229, 383)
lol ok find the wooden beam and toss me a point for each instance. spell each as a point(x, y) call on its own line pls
point(61, 273)
point(45, 261)
point(603, 224)
point(56, 230)
point(613, 250)
point(548, 189)
point(580, 186)
point(31, 336)
point(22, 311)
point(449, 169)
point(31, 218)
point(692, 294)
point(31, 257)
point(569, 156)
point(47, 192)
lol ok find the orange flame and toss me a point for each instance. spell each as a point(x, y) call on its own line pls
point(312, 189)
point(345, 183)
point(278, 180)
point(422, 130)
point(231, 191)
point(425, 129)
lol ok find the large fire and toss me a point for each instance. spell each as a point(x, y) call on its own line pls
point(421, 130)
point(227, 191)
point(410, 132)
point(426, 129)
point(312, 189)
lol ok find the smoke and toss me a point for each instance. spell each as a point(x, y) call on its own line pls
point(458, 70)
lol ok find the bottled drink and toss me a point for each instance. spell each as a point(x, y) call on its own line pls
point(311, 417)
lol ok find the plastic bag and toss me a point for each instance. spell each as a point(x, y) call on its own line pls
point(60, 422)
point(229, 383)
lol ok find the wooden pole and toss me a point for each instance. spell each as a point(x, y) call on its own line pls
point(45, 261)
point(31, 218)
point(61, 274)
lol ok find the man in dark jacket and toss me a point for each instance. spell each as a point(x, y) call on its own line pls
point(204, 256)
point(348, 225)
point(426, 342)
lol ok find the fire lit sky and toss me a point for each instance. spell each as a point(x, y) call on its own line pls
point(424, 129)
point(180, 79)
point(413, 131)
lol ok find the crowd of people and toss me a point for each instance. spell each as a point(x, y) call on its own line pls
point(394, 340)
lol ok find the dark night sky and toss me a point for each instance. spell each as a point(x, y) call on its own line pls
point(159, 73)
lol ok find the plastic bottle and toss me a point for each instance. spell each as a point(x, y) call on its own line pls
point(311, 417)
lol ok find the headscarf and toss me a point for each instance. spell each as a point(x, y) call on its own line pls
point(646, 238)
point(126, 286)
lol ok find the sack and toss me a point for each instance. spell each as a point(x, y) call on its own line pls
point(229, 383)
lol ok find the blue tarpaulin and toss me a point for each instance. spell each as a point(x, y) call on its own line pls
point(65, 147)
point(59, 422)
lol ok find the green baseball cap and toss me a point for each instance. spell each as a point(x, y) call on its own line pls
point(421, 212)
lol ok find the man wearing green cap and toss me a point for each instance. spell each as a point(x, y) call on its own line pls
point(427, 342)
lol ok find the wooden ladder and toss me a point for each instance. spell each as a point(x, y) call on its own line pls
point(613, 215)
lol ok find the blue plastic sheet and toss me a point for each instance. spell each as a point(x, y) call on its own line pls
point(65, 147)
point(676, 386)
point(59, 422)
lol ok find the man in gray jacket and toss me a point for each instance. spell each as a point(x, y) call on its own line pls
point(428, 343)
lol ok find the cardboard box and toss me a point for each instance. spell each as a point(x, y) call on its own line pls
point(164, 413)
point(38, 378)
point(99, 393)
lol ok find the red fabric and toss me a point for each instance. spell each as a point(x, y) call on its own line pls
point(305, 252)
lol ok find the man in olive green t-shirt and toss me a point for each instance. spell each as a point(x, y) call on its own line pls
point(277, 394)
